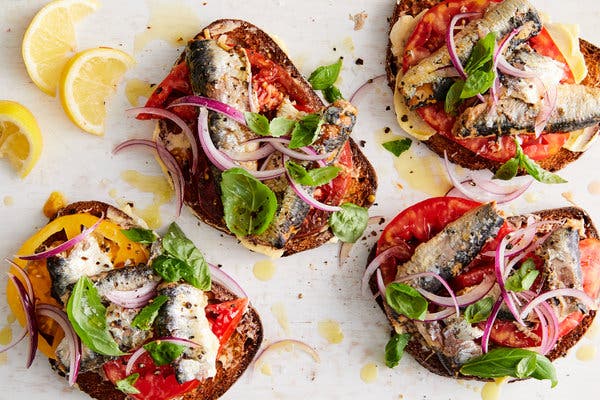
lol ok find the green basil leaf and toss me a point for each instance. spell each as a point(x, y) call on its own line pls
point(145, 318)
point(526, 367)
point(349, 223)
point(523, 278)
point(325, 76)
point(248, 204)
point(140, 235)
point(168, 268)
point(453, 96)
point(406, 300)
point(479, 311)
point(504, 361)
point(394, 349)
point(332, 94)
point(87, 314)
point(257, 123)
point(508, 170)
point(311, 177)
point(538, 173)
point(477, 82)
point(397, 147)
point(164, 353)
point(280, 126)
point(306, 131)
point(125, 385)
point(179, 247)
point(482, 54)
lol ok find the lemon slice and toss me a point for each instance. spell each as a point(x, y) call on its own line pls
point(50, 40)
point(87, 81)
point(20, 137)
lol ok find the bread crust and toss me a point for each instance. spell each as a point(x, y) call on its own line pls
point(240, 349)
point(428, 357)
point(363, 186)
point(458, 154)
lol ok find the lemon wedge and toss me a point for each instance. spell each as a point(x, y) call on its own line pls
point(87, 81)
point(50, 40)
point(20, 137)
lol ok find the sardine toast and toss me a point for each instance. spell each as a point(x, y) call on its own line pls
point(124, 314)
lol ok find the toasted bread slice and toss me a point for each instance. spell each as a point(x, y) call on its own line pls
point(202, 191)
point(457, 153)
point(428, 357)
point(236, 356)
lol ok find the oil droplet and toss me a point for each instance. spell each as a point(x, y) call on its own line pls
point(5, 335)
point(10, 318)
point(569, 197)
point(278, 310)
point(368, 373)
point(265, 369)
point(594, 188)
point(137, 88)
point(491, 390)
point(155, 184)
point(348, 44)
point(586, 352)
point(9, 200)
point(531, 197)
point(264, 270)
point(331, 330)
point(426, 173)
point(170, 21)
point(3, 358)
point(113, 193)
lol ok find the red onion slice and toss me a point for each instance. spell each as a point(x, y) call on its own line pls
point(472, 296)
point(499, 50)
point(24, 276)
point(278, 144)
point(175, 172)
point(259, 154)
point(399, 252)
point(310, 200)
point(211, 104)
point(426, 294)
point(380, 285)
point(221, 276)
point(148, 144)
point(63, 246)
point(506, 68)
point(547, 108)
point(451, 45)
point(28, 305)
point(281, 344)
point(485, 338)
point(136, 298)
point(489, 185)
point(60, 317)
point(15, 342)
point(436, 316)
point(499, 267)
point(566, 292)
point(364, 86)
point(187, 131)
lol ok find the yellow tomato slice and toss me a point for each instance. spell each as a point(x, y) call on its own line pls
point(123, 252)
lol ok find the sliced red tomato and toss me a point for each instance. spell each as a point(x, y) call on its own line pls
point(506, 334)
point(590, 266)
point(225, 317)
point(159, 383)
point(429, 35)
point(472, 277)
point(419, 223)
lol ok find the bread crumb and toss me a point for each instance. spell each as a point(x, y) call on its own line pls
point(359, 20)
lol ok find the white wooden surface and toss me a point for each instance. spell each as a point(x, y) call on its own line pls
point(315, 32)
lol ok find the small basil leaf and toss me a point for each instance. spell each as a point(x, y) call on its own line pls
point(508, 170)
point(394, 349)
point(145, 318)
point(526, 367)
point(325, 76)
point(453, 96)
point(332, 94)
point(257, 123)
point(397, 147)
point(482, 54)
point(538, 173)
point(248, 204)
point(406, 300)
point(87, 314)
point(503, 361)
point(311, 177)
point(479, 311)
point(523, 278)
point(140, 235)
point(125, 385)
point(477, 82)
point(168, 268)
point(280, 126)
point(306, 131)
point(349, 223)
point(178, 246)
point(164, 353)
